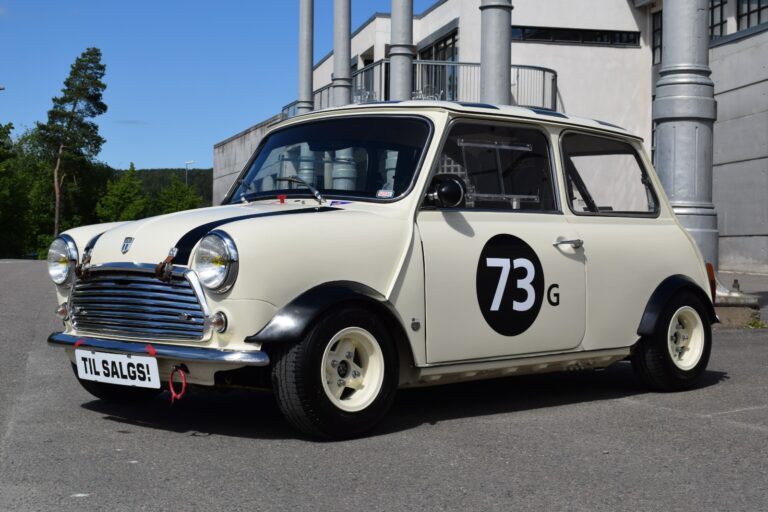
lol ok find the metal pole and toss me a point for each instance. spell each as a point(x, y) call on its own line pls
point(684, 111)
point(342, 81)
point(186, 170)
point(401, 50)
point(306, 50)
point(495, 51)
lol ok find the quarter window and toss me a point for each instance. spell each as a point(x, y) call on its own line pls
point(606, 177)
point(502, 167)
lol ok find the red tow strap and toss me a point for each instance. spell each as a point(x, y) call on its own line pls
point(174, 395)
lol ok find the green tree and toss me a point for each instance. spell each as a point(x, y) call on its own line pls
point(21, 173)
point(177, 197)
point(125, 198)
point(6, 142)
point(69, 131)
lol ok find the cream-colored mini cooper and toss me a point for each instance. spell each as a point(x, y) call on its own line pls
point(374, 247)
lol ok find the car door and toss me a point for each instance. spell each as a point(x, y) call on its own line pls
point(504, 273)
point(630, 247)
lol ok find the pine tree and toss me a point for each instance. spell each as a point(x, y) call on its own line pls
point(69, 130)
point(177, 197)
point(125, 198)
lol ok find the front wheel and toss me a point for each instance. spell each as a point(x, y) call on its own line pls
point(676, 355)
point(340, 380)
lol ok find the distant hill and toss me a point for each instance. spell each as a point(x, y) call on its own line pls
point(199, 179)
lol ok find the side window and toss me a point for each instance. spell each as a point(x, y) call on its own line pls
point(503, 167)
point(605, 176)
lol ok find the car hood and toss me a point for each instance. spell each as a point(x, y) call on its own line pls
point(150, 240)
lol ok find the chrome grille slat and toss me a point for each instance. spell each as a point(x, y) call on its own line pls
point(136, 308)
point(95, 294)
point(109, 285)
point(137, 305)
point(93, 314)
point(141, 302)
point(155, 334)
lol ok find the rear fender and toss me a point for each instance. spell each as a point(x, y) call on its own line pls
point(660, 297)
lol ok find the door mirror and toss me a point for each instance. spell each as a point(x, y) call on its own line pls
point(446, 191)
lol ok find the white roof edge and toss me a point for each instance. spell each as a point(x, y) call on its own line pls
point(539, 114)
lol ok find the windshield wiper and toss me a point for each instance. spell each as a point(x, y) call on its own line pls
point(300, 181)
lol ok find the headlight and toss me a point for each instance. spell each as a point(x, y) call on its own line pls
point(216, 262)
point(62, 258)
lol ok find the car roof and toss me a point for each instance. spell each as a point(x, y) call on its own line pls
point(518, 112)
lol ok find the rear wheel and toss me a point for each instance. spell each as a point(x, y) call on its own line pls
point(676, 355)
point(341, 379)
point(115, 393)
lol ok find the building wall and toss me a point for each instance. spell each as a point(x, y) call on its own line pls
point(612, 84)
point(740, 72)
point(229, 156)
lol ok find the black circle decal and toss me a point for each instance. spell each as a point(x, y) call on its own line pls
point(510, 284)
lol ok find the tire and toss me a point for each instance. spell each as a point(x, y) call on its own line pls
point(340, 380)
point(675, 357)
point(114, 393)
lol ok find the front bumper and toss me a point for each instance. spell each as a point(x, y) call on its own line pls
point(188, 354)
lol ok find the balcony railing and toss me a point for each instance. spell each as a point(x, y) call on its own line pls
point(531, 86)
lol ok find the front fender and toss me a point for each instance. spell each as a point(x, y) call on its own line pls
point(291, 323)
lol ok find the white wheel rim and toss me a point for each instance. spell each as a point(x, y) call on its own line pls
point(352, 369)
point(685, 338)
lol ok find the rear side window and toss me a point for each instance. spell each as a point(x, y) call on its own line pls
point(503, 167)
point(606, 177)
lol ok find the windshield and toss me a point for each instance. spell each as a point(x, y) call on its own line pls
point(362, 157)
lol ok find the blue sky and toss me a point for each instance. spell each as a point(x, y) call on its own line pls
point(181, 74)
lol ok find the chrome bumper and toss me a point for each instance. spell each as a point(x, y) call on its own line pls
point(194, 354)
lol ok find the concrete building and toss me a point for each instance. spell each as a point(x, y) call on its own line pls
point(592, 58)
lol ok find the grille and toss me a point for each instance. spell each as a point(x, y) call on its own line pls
point(137, 306)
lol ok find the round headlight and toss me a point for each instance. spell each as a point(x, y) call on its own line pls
point(216, 262)
point(62, 258)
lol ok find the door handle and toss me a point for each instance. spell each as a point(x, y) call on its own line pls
point(573, 243)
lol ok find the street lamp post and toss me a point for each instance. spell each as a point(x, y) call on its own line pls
point(186, 170)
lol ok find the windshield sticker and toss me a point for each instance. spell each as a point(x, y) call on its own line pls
point(336, 203)
point(385, 194)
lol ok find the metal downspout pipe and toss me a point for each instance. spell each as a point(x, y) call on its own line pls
point(342, 54)
point(344, 173)
point(684, 111)
point(306, 169)
point(401, 50)
point(306, 50)
point(495, 51)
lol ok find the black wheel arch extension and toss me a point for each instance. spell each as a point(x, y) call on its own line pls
point(291, 323)
point(661, 296)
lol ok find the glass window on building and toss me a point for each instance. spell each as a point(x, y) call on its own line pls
point(717, 19)
point(575, 36)
point(751, 13)
point(438, 80)
point(656, 41)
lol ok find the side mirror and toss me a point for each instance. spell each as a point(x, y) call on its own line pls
point(446, 191)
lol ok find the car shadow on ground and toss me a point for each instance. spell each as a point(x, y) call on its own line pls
point(253, 414)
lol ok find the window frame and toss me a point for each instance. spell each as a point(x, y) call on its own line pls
point(654, 30)
point(722, 25)
point(745, 14)
point(643, 169)
point(498, 122)
point(612, 36)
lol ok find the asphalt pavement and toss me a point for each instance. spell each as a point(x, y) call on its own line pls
point(578, 441)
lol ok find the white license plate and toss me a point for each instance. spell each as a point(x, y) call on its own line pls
point(123, 369)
